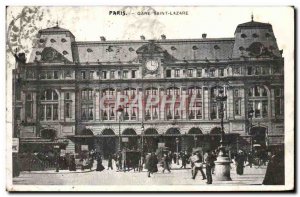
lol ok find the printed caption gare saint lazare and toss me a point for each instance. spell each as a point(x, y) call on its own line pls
point(143, 13)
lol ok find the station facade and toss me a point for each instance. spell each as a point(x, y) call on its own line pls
point(107, 95)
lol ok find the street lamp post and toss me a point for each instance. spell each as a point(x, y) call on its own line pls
point(120, 112)
point(250, 116)
point(222, 168)
point(142, 135)
point(195, 141)
point(177, 150)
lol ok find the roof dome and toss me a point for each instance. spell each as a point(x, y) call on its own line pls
point(55, 29)
point(253, 25)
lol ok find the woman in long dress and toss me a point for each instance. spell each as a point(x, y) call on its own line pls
point(100, 167)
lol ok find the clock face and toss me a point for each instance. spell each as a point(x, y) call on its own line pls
point(152, 65)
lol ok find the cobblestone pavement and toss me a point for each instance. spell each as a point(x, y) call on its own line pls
point(252, 176)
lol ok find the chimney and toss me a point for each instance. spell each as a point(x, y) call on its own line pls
point(102, 38)
point(163, 37)
point(204, 35)
point(142, 37)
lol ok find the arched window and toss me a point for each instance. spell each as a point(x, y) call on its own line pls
point(172, 106)
point(87, 108)
point(152, 104)
point(130, 110)
point(109, 101)
point(195, 103)
point(258, 101)
point(214, 104)
point(279, 101)
point(49, 105)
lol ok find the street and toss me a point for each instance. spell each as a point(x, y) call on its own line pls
point(252, 176)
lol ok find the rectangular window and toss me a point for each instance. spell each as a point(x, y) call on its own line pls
point(82, 75)
point(133, 72)
point(104, 75)
point(55, 112)
point(249, 70)
point(177, 73)
point(264, 109)
point(199, 73)
point(67, 95)
point(112, 74)
point(28, 109)
point(125, 74)
point(55, 73)
point(237, 107)
point(236, 93)
point(265, 70)
point(168, 73)
point(236, 71)
point(67, 74)
point(257, 70)
point(30, 74)
point(42, 112)
point(43, 75)
point(49, 75)
point(190, 72)
point(221, 72)
point(212, 72)
point(91, 74)
point(67, 110)
point(48, 112)
point(257, 109)
point(18, 113)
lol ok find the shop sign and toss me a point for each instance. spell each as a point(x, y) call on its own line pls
point(161, 145)
point(84, 147)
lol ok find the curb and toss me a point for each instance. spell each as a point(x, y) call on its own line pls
point(53, 172)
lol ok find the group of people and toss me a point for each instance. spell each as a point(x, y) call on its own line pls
point(198, 162)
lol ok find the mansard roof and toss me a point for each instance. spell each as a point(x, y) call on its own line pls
point(178, 49)
point(253, 25)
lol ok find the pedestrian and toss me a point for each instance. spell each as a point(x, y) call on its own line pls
point(100, 167)
point(174, 157)
point(120, 160)
point(239, 162)
point(110, 162)
point(166, 163)
point(152, 164)
point(275, 170)
point(72, 164)
point(184, 159)
point(198, 166)
point(210, 162)
point(214, 156)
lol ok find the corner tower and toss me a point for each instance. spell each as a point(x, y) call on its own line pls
point(255, 40)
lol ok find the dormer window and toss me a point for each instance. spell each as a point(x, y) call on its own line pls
point(42, 40)
point(195, 47)
point(65, 52)
point(89, 50)
point(131, 49)
point(254, 35)
point(173, 48)
point(268, 35)
point(243, 36)
point(52, 40)
point(63, 40)
point(216, 47)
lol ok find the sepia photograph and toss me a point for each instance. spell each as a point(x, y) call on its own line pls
point(148, 98)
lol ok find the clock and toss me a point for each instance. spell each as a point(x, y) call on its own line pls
point(152, 65)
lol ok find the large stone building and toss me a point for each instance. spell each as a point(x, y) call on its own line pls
point(68, 92)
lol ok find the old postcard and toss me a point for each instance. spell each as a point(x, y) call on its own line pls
point(150, 98)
